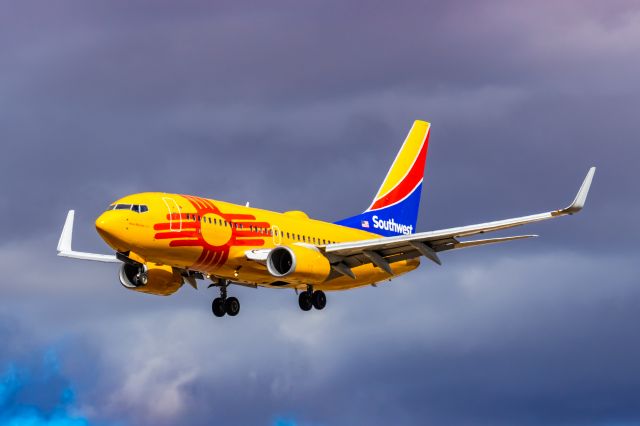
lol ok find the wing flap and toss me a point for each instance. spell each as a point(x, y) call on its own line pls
point(473, 243)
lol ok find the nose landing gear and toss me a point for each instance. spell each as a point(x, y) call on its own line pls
point(142, 278)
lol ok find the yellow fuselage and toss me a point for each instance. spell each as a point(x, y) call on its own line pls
point(213, 237)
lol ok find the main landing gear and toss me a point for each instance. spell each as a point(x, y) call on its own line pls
point(225, 305)
point(312, 299)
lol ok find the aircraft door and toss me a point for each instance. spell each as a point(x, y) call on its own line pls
point(277, 235)
point(175, 214)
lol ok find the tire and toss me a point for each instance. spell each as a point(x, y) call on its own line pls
point(319, 300)
point(304, 301)
point(143, 278)
point(232, 306)
point(218, 307)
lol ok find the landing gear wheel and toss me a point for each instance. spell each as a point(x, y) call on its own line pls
point(319, 300)
point(304, 300)
point(143, 278)
point(140, 278)
point(232, 306)
point(218, 307)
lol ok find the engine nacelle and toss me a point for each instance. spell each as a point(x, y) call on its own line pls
point(150, 278)
point(298, 264)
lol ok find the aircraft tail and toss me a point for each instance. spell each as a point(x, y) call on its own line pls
point(394, 209)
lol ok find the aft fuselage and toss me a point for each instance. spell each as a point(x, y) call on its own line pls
point(213, 238)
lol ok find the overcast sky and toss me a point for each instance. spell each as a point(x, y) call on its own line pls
point(303, 105)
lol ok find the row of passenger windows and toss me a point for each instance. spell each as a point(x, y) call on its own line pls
point(266, 231)
point(138, 208)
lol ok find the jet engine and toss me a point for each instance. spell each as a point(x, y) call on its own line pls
point(161, 280)
point(298, 264)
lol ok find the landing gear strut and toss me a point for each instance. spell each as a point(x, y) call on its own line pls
point(225, 305)
point(312, 299)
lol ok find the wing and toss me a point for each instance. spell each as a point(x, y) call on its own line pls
point(382, 251)
point(65, 250)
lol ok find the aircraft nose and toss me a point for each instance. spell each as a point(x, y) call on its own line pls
point(110, 228)
point(104, 225)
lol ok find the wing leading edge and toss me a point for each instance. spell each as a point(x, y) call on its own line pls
point(429, 243)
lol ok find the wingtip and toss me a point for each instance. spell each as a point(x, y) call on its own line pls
point(64, 244)
point(581, 197)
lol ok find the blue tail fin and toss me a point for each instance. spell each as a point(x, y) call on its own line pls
point(394, 210)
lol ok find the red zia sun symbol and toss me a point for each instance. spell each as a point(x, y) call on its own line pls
point(214, 231)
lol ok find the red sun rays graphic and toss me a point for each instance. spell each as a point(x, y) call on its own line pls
point(185, 229)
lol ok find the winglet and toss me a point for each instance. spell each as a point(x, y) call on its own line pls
point(581, 197)
point(64, 244)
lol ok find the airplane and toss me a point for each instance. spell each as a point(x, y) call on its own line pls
point(163, 241)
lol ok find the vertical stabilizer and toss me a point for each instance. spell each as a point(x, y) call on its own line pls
point(394, 209)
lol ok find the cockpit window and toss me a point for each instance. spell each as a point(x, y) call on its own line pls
point(138, 208)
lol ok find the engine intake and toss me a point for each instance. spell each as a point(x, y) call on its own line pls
point(150, 278)
point(298, 264)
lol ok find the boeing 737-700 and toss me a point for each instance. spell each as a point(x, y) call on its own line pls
point(165, 240)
